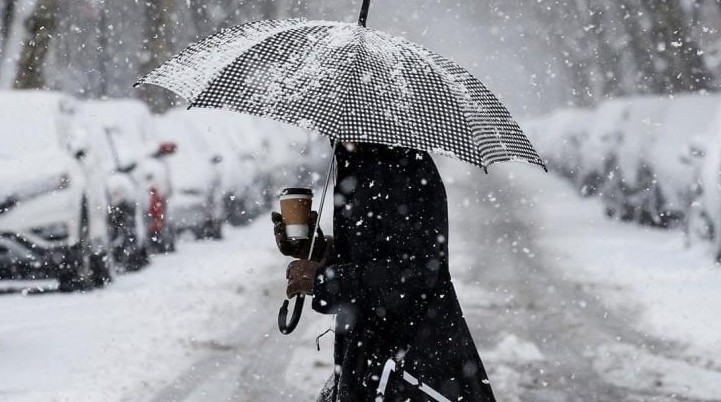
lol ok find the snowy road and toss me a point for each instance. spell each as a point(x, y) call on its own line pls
point(551, 338)
point(543, 337)
point(200, 325)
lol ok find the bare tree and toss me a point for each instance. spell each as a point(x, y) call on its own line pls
point(681, 65)
point(41, 28)
point(157, 49)
point(7, 15)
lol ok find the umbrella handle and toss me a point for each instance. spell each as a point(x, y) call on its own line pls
point(288, 327)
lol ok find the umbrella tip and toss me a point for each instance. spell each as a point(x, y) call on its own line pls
point(485, 169)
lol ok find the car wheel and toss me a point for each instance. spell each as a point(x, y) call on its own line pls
point(211, 229)
point(103, 270)
point(170, 241)
point(216, 232)
point(137, 260)
point(77, 277)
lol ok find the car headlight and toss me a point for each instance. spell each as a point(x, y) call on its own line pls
point(37, 188)
point(55, 231)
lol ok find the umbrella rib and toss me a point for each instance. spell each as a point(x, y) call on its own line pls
point(427, 56)
point(191, 90)
point(220, 72)
point(350, 71)
point(260, 42)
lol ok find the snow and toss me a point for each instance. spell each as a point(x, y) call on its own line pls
point(512, 349)
point(559, 137)
point(675, 287)
point(124, 342)
point(131, 341)
point(183, 74)
point(33, 120)
point(649, 371)
point(204, 310)
point(688, 121)
point(649, 156)
point(603, 134)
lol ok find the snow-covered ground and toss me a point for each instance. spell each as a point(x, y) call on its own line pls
point(676, 287)
point(652, 159)
point(645, 276)
point(562, 302)
point(129, 340)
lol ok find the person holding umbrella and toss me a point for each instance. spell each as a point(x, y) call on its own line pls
point(385, 274)
point(400, 331)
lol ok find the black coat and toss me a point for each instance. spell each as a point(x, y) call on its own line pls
point(388, 282)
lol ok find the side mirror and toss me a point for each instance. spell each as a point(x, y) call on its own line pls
point(78, 144)
point(165, 149)
point(129, 168)
point(216, 159)
point(691, 154)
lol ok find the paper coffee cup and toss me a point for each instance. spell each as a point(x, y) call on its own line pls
point(295, 206)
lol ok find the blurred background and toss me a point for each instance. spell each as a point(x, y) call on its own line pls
point(552, 53)
point(596, 282)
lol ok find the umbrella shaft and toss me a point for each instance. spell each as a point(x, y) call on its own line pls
point(322, 198)
point(364, 13)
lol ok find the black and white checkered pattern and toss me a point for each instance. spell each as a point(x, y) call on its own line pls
point(349, 83)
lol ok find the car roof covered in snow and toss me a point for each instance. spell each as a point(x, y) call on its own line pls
point(35, 119)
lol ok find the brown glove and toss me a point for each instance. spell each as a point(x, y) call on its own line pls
point(301, 276)
point(298, 248)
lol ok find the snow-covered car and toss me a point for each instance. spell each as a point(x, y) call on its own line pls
point(132, 175)
point(254, 154)
point(686, 126)
point(650, 183)
point(559, 138)
point(293, 157)
point(629, 192)
point(53, 204)
point(216, 135)
point(197, 202)
point(597, 166)
point(703, 157)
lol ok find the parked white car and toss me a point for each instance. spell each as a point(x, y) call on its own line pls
point(53, 204)
point(650, 182)
point(292, 156)
point(132, 175)
point(215, 134)
point(559, 138)
point(197, 202)
point(703, 157)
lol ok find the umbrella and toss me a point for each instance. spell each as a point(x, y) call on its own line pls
point(351, 84)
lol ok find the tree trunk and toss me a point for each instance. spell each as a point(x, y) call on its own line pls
point(269, 10)
point(157, 50)
point(642, 48)
point(40, 28)
point(200, 17)
point(683, 68)
point(7, 15)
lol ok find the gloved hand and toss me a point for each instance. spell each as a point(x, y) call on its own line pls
point(301, 276)
point(298, 248)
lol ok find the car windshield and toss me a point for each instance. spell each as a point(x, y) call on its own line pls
point(27, 128)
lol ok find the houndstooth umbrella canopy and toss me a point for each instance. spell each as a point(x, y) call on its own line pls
point(349, 83)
